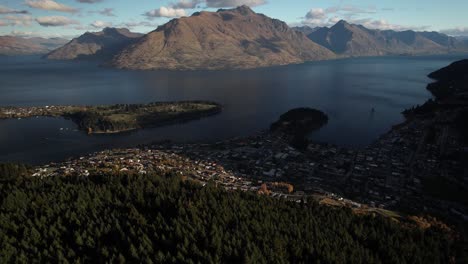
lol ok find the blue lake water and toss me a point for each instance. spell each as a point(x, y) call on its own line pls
point(345, 89)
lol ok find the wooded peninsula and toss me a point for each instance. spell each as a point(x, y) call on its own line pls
point(107, 119)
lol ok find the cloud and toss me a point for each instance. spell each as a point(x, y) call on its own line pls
point(324, 17)
point(6, 10)
point(23, 34)
point(191, 4)
point(384, 25)
point(101, 24)
point(50, 5)
point(316, 13)
point(16, 20)
point(380, 24)
point(55, 21)
point(133, 24)
point(177, 9)
point(105, 12)
point(89, 1)
point(130, 25)
point(318, 17)
point(186, 4)
point(234, 3)
point(458, 31)
point(350, 10)
point(165, 12)
point(334, 20)
point(31, 34)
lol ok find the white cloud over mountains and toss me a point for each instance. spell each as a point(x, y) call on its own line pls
point(233, 3)
point(191, 4)
point(6, 10)
point(50, 5)
point(186, 4)
point(18, 16)
point(383, 24)
point(325, 17)
point(32, 34)
point(133, 24)
point(101, 24)
point(318, 17)
point(166, 12)
point(105, 12)
point(16, 20)
point(316, 13)
point(459, 31)
point(89, 1)
point(178, 9)
point(55, 21)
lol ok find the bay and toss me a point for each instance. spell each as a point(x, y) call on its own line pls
point(347, 90)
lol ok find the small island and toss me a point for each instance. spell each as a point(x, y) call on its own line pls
point(298, 123)
point(109, 119)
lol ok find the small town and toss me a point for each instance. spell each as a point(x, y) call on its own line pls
point(35, 111)
point(388, 174)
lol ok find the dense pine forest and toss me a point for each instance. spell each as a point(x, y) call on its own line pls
point(164, 219)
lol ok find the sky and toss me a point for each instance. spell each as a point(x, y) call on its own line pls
point(70, 18)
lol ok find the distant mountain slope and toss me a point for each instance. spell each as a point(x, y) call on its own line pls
point(103, 44)
point(306, 29)
point(10, 45)
point(49, 43)
point(441, 39)
point(356, 40)
point(344, 38)
point(228, 39)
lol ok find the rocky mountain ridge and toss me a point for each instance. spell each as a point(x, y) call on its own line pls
point(13, 45)
point(95, 45)
point(235, 38)
point(347, 39)
point(239, 38)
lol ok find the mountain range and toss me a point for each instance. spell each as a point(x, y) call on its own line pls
point(95, 45)
point(239, 38)
point(227, 39)
point(347, 39)
point(12, 45)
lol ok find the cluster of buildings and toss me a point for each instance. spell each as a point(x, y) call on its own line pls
point(390, 173)
point(163, 160)
point(25, 112)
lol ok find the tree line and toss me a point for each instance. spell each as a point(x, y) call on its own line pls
point(164, 219)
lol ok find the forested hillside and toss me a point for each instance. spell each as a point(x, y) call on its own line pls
point(163, 219)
